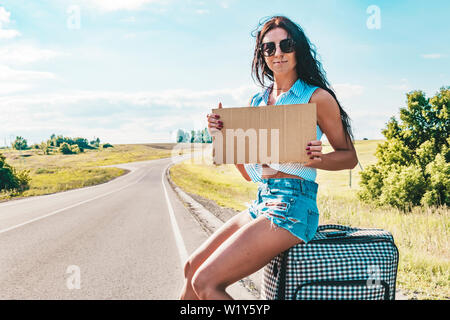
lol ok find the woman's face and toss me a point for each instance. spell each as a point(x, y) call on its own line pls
point(280, 62)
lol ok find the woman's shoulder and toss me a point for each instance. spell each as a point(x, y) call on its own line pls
point(325, 102)
point(321, 95)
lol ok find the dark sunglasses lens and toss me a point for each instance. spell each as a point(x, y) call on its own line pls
point(268, 48)
point(287, 45)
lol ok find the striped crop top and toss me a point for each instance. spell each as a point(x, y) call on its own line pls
point(299, 93)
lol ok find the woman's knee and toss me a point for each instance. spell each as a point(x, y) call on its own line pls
point(187, 268)
point(191, 265)
point(203, 284)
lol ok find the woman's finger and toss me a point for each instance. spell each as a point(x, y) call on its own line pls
point(314, 154)
point(313, 148)
point(315, 143)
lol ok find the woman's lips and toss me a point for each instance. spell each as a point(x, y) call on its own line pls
point(280, 62)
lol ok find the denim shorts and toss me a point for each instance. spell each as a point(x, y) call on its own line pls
point(288, 203)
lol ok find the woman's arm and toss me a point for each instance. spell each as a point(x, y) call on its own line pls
point(329, 120)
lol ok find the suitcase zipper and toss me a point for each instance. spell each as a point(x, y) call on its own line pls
point(354, 240)
point(342, 283)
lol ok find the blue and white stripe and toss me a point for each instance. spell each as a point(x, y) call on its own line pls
point(299, 93)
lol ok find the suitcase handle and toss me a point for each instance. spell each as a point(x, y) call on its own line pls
point(335, 227)
point(335, 234)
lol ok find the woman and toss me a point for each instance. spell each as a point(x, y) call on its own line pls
point(285, 212)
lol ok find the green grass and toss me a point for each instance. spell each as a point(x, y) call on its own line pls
point(422, 236)
point(58, 172)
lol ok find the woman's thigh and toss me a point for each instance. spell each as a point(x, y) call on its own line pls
point(245, 252)
point(215, 240)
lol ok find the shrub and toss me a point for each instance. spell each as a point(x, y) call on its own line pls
point(64, 148)
point(75, 149)
point(11, 179)
point(107, 145)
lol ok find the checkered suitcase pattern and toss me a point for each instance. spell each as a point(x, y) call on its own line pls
point(347, 264)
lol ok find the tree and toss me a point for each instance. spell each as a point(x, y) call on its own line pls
point(82, 143)
point(11, 179)
point(95, 143)
point(20, 144)
point(206, 137)
point(180, 136)
point(187, 137)
point(413, 163)
point(198, 136)
point(45, 147)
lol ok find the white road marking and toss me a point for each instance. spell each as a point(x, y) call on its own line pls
point(72, 206)
point(176, 230)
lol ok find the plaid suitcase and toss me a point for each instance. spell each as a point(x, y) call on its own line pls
point(351, 264)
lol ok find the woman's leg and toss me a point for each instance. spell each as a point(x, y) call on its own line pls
point(207, 248)
point(245, 252)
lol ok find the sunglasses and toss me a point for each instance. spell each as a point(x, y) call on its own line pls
point(268, 49)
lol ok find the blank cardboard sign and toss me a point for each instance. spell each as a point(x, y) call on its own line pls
point(265, 134)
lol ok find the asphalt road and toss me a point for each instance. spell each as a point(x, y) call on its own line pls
point(125, 239)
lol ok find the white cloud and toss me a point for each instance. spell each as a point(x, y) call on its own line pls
point(119, 117)
point(347, 90)
point(13, 81)
point(4, 20)
point(11, 75)
point(402, 86)
point(19, 54)
point(433, 56)
point(10, 87)
point(138, 117)
point(224, 4)
point(130, 35)
point(201, 11)
point(130, 19)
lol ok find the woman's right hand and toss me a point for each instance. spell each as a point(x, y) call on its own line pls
point(214, 124)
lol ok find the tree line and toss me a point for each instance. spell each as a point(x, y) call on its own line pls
point(194, 136)
point(64, 145)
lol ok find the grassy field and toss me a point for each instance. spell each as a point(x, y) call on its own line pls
point(422, 236)
point(58, 172)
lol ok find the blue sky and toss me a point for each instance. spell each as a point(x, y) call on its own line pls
point(134, 71)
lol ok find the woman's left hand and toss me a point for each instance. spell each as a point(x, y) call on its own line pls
point(314, 150)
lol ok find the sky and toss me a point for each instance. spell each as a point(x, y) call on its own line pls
point(135, 71)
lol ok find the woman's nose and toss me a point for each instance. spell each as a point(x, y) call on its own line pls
point(278, 50)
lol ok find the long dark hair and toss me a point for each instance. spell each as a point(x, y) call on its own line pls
point(309, 68)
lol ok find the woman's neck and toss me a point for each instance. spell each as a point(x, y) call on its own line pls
point(282, 83)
